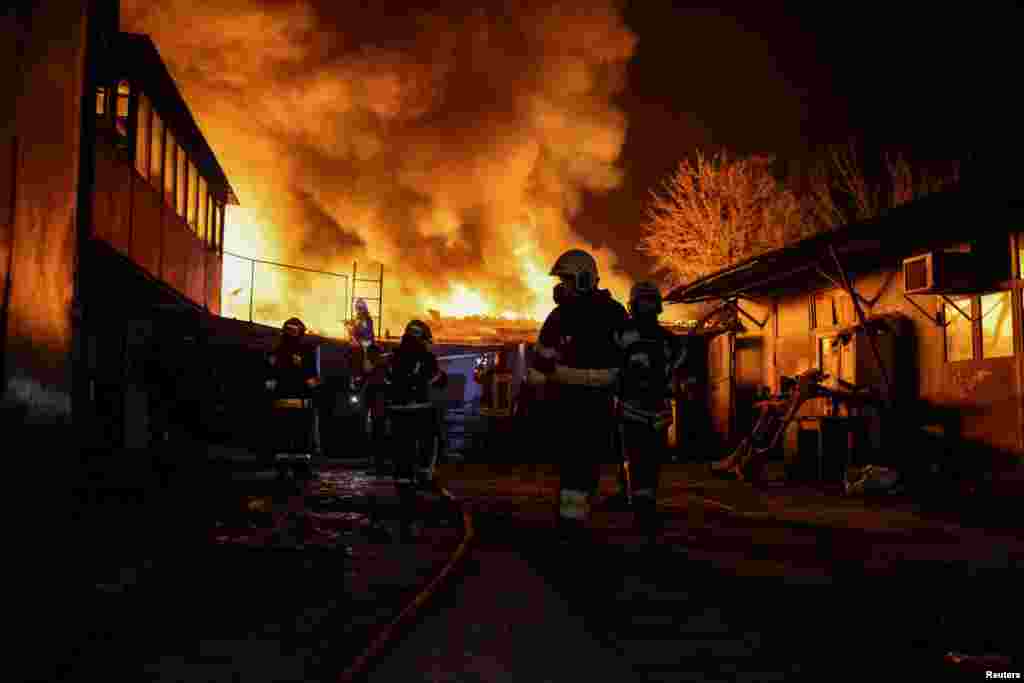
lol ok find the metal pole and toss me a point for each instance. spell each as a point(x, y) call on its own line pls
point(380, 302)
point(872, 338)
point(352, 301)
point(252, 288)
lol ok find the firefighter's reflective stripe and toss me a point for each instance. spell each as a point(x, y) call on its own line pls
point(534, 377)
point(573, 504)
point(411, 406)
point(403, 480)
point(658, 419)
point(290, 403)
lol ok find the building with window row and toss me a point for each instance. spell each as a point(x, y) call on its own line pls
point(946, 275)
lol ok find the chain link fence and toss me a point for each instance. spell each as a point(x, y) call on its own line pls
point(269, 293)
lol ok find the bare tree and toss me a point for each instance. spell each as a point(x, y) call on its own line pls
point(717, 211)
point(840, 191)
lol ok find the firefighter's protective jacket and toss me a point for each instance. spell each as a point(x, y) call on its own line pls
point(576, 346)
point(410, 375)
point(650, 358)
point(293, 366)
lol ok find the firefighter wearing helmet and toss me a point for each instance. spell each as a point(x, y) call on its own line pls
point(575, 361)
point(650, 359)
point(292, 383)
point(411, 374)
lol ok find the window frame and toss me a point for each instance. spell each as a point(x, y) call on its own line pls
point(143, 110)
point(170, 191)
point(181, 174)
point(977, 332)
point(123, 126)
point(156, 180)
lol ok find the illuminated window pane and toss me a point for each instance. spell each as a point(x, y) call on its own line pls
point(1020, 255)
point(182, 181)
point(218, 223)
point(959, 334)
point(996, 326)
point(193, 188)
point(204, 214)
point(142, 137)
point(171, 148)
point(156, 151)
point(101, 101)
point(123, 93)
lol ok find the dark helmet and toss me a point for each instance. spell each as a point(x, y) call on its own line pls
point(645, 299)
point(296, 325)
point(361, 307)
point(418, 329)
point(578, 265)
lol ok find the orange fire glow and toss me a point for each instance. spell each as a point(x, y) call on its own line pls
point(351, 139)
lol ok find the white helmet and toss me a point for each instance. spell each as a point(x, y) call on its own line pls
point(580, 266)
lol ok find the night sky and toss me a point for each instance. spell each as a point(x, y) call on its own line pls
point(767, 78)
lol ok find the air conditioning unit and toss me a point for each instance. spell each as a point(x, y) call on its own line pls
point(940, 272)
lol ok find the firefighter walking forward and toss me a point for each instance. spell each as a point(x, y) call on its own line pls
point(575, 361)
point(411, 374)
point(651, 356)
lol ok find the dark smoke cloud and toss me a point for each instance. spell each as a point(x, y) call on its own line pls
point(438, 141)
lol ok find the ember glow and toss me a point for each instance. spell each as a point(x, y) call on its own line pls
point(454, 147)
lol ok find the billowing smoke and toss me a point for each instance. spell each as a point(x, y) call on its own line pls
point(452, 146)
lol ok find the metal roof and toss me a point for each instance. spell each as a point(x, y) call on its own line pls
point(938, 221)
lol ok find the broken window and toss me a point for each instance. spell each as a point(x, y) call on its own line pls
point(959, 330)
point(156, 151)
point(142, 137)
point(123, 93)
point(182, 182)
point(996, 325)
point(171, 149)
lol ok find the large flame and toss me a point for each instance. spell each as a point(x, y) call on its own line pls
point(452, 146)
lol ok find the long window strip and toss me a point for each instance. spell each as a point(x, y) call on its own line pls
point(156, 151)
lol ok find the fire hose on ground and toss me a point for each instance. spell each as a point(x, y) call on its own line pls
point(360, 666)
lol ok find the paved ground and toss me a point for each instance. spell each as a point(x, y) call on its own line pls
point(881, 593)
point(777, 583)
point(239, 602)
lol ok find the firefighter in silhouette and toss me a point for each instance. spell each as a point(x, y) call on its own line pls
point(292, 382)
point(411, 374)
point(650, 358)
point(575, 363)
